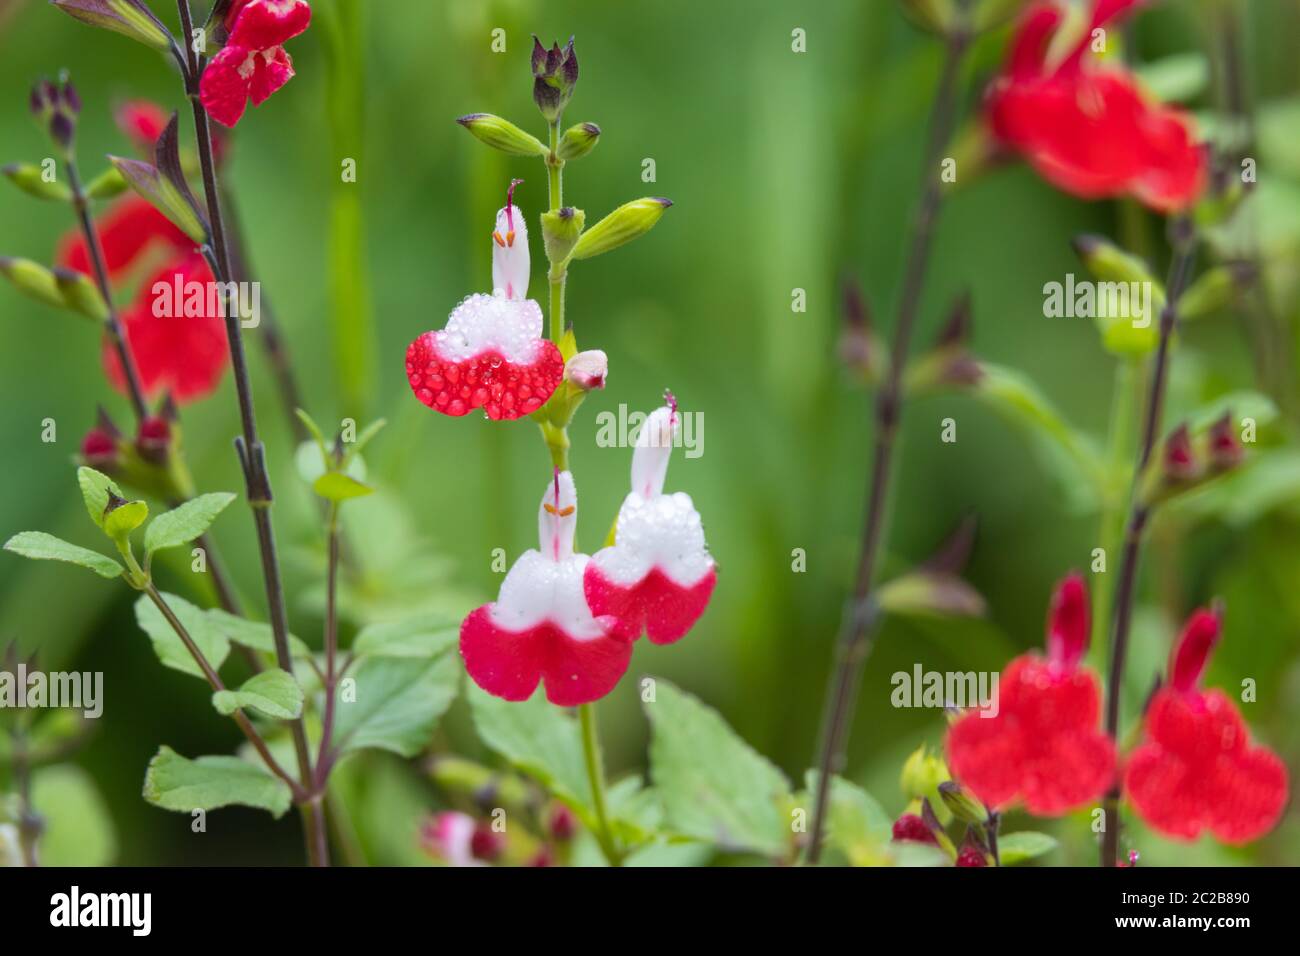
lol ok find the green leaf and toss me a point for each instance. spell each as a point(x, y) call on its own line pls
point(367, 435)
point(394, 702)
point(185, 523)
point(714, 785)
point(122, 520)
point(1177, 78)
point(1016, 848)
point(254, 634)
point(1068, 454)
point(96, 488)
point(538, 738)
point(1240, 404)
point(173, 782)
point(273, 692)
point(855, 823)
point(336, 486)
point(78, 828)
point(422, 636)
point(45, 547)
point(168, 646)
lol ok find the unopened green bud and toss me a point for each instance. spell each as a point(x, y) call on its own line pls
point(1211, 292)
point(561, 229)
point(963, 806)
point(81, 294)
point(922, 773)
point(131, 18)
point(33, 280)
point(503, 135)
point(621, 226)
point(933, 16)
point(106, 185)
point(32, 180)
point(149, 182)
point(1109, 262)
point(578, 141)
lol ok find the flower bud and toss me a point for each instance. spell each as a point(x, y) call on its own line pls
point(578, 141)
point(131, 18)
point(587, 370)
point(99, 451)
point(1180, 463)
point(30, 178)
point(153, 440)
point(80, 293)
point(555, 74)
point(909, 828)
point(972, 856)
point(561, 229)
point(107, 185)
point(486, 844)
point(32, 279)
point(562, 823)
point(621, 226)
point(1226, 452)
point(503, 135)
point(963, 806)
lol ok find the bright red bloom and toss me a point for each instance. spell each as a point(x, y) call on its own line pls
point(1088, 128)
point(1196, 770)
point(253, 64)
point(540, 629)
point(491, 354)
point(178, 348)
point(1043, 746)
point(128, 231)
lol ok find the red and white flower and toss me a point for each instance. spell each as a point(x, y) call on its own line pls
point(1196, 770)
point(658, 576)
point(1044, 746)
point(253, 64)
point(540, 629)
point(1088, 127)
point(491, 355)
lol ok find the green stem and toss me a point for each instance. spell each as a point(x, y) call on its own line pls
point(596, 775)
point(555, 184)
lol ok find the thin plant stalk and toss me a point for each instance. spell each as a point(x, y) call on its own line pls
point(1183, 237)
point(251, 451)
point(854, 643)
point(596, 776)
point(214, 681)
point(331, 644)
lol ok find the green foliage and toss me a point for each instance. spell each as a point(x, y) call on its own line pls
point(540, 739)
point(422, 636)
point(78, 828)
point(173, 782)
point(273, 693)
point(45, 547)
point(183, 524)
point(167, 644)
point(396, 703)
point(714, 786)
point(252, 634)
point(1015, 848)
point(96, 488)
point(856, 824)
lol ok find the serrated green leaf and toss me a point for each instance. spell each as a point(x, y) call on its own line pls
point(336, 486)
point(122, 520)
point(168, 646)
point(254, 634)
point(183, 524)
point(538, 738)
point(1019, 847)
point(714, 785)
point(855, 823)
point(173, 782)
point(45, 547)
point(394, 703)
point(272, 692)
point(423, 636)
point(96, 487)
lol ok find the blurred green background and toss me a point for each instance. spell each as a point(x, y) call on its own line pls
point(787, 171)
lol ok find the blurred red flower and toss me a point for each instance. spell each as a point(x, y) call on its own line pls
point(1044, 745)
point(1087, 127)
point(1196, 770)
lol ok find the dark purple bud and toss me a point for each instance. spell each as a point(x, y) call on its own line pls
point(71, 99)
point(555, 74)
point(62, 129)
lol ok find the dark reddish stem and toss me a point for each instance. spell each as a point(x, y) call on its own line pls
point(1183, 238)
point(854, 643)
